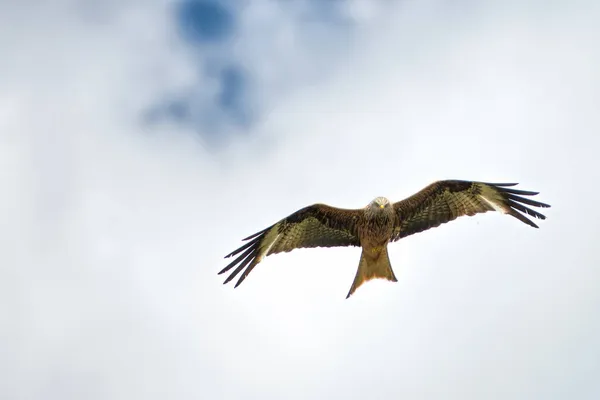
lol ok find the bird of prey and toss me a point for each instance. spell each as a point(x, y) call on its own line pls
point(380, 223)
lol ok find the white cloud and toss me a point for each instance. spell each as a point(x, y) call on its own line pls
point(112, 235)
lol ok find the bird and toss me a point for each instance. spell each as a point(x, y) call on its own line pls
point(380, 223)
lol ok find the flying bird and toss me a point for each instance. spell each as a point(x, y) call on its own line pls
point(373, 227)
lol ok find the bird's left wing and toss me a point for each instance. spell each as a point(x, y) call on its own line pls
point(444, 201)
point(318, 225)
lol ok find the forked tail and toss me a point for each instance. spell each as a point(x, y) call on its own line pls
point(372, 267)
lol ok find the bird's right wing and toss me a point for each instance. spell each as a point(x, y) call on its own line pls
point(318, 225)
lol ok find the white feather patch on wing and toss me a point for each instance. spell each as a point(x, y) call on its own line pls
point(273, 241)
point(495, 206)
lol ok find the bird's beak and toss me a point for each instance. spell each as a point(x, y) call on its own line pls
point(381, 206)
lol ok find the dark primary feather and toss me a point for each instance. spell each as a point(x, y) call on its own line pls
point(444, 201)
point(317, 225)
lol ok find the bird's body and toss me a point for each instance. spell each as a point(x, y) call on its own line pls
point(373, 227)
point(374, 233)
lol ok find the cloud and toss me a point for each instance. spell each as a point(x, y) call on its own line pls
point(113, 230)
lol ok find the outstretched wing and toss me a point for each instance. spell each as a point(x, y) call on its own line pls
point(444, 201)
point(318, 225)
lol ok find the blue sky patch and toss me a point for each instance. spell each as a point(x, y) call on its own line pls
point(204, 21)
point(233, 93)
point(225, 97)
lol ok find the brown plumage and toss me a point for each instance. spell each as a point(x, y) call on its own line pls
point(379, 223)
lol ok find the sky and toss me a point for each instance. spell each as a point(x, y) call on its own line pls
point(140, 141)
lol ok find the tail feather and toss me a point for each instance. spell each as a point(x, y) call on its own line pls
point(369, 267)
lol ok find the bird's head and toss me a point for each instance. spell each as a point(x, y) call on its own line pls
point(379, 203)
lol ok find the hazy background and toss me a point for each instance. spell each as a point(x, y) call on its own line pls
point(140, 141)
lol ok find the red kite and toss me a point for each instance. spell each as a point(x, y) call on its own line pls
point(380, 223)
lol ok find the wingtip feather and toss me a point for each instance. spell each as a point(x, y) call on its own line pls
point(500, 184)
